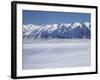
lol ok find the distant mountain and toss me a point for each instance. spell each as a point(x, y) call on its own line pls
point(63, 31)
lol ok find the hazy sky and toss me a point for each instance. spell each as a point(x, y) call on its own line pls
point(45, 17)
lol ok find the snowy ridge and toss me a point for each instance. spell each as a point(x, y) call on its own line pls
point(63, 31)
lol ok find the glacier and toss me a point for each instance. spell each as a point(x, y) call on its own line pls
point(62, 53)
point(56, 45)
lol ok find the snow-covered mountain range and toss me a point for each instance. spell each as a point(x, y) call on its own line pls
point(63, 31)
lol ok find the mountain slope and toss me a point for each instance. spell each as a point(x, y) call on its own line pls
point(63, 31)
